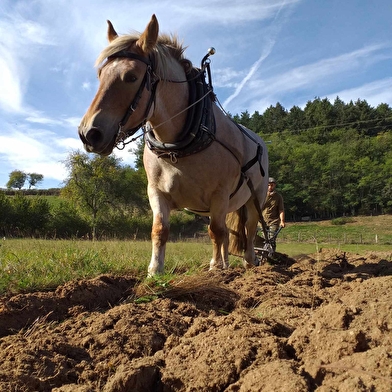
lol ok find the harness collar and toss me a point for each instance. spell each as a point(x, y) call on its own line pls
point(199, 129)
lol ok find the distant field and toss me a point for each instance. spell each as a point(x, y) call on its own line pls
point(52, 200)
point(369, 230)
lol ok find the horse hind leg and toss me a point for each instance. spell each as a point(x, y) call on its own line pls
point(242, 226)
point(250, 259)
point(235, 222)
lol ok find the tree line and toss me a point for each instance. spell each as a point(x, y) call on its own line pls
point(330, 159)
point(101, 199)
point(319, 117)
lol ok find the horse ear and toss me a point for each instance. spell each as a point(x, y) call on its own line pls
point(187, 65)
point(112, 34)
point(149, 37)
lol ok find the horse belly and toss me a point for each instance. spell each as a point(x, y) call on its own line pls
point(193, 181)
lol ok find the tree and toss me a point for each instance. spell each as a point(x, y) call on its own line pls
point(34, 179)
point(138, 151)
point(5, 213)
point(330, 159)
point(66, 222)
point(16, 180)
point(245, 119)
point(339, 110)
point(319, 112)
point(103, 189)
point(89, 184)
point(257, 122)
point(275, 118)
point(295, 119)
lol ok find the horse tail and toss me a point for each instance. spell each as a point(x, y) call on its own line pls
point(235, 222)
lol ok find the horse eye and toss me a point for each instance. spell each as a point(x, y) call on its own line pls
point(129, 78)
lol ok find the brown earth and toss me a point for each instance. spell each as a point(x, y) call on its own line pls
point(316, 323)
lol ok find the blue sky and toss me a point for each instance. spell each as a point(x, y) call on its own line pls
point(267, 51)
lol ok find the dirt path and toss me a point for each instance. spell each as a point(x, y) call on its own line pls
point(317, 323)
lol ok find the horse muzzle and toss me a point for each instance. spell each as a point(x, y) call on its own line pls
point(94, 140)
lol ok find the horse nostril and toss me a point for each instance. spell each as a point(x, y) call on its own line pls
point(81, 136)
point(94, 136)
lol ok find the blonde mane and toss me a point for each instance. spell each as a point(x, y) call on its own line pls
point(168, 48)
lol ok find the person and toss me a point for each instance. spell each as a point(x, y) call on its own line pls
point(273, 211)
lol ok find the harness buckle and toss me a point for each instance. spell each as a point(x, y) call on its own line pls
point(120, 145)
point(173, 157)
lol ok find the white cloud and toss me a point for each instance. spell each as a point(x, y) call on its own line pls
point(37, 117)
point(223, 11)
point(325, 72)
point(379, 91)
point(72, 121)
point(33, 151)
point(11, 89)
point(19, 39)
point(42, 120)
point(267, 50)
point(127, 157)
point(69, 144)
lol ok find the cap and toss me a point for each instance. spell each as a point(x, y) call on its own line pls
point(271, 179)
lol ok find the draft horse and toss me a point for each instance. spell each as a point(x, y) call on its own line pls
point(196, 157)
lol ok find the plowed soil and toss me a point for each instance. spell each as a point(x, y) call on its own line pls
point(315, 323)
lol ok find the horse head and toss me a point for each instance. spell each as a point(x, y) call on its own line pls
point(125, 92)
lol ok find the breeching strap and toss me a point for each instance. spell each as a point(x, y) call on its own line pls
point(257, 205)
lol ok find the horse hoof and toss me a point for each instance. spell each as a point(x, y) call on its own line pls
point(214, 265)
point(256, 263)
point(214, 268)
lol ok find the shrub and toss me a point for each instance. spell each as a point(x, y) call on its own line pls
point(342, 221)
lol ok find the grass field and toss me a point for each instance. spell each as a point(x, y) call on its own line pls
point(361, 230)
point(33, 264)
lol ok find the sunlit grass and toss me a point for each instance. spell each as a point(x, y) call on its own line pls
point(30, 264)
point(33, 264)
point(345, 234)
point(293, 249)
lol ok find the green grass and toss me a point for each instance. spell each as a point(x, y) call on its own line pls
point(54, 201)
point(293, 249)
point(33, 264)
point(337, 234)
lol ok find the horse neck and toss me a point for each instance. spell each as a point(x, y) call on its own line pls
point(169, 113)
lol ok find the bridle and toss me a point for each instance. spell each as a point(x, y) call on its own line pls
point(150, 82)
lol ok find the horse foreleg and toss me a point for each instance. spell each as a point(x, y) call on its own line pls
point(159, 235)
point(217, 231)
